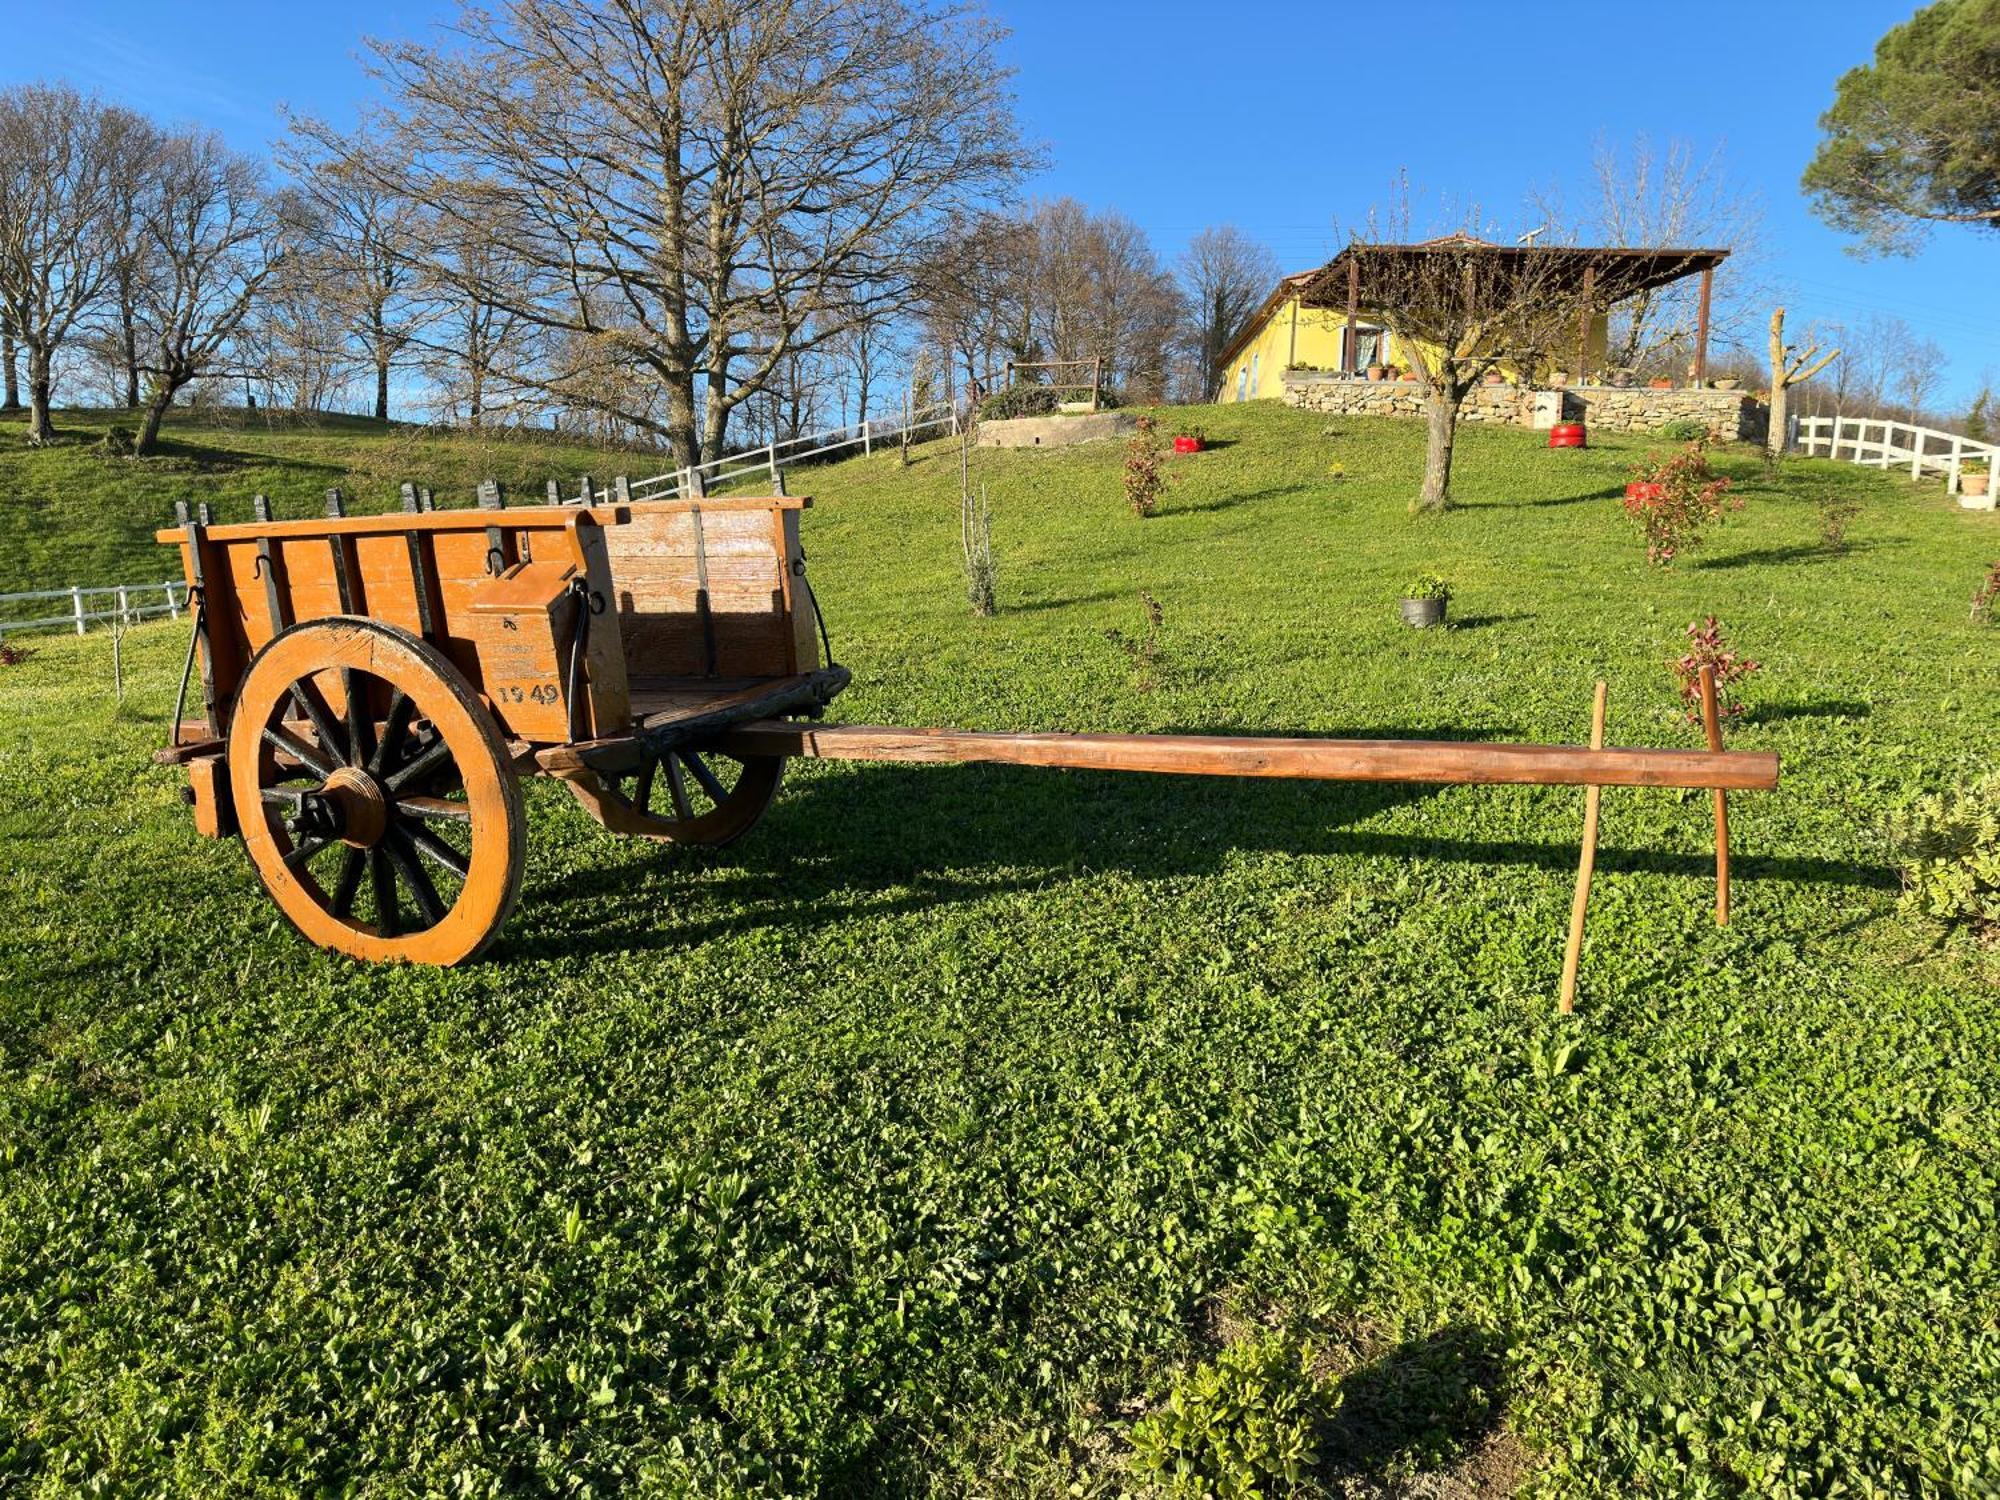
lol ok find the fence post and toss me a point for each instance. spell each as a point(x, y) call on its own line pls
point(771, 458)
point(124, 608)
point(1917, 452)
point(867, 439)
point(76, 600)
point(173, 604)
point(1951, 466)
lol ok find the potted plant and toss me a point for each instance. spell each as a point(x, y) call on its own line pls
point(1424, 599)
point(1403, 374)
point(1377, 371)
point(1190, 442)
point(1494, 377)
point(1975, 479)
point(1726, 383)
point(1567, 435)
point(1659, 383)
point(1622, 380)
point(1558, 378)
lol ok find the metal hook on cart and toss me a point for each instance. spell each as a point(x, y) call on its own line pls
point(199, 600)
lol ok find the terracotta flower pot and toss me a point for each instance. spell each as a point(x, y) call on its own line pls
point(1974, 484)
point(1376, 372)
point(1659, 385)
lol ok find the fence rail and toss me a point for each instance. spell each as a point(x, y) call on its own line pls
point(125, 603)
point(1885, 444)
point(773, 456)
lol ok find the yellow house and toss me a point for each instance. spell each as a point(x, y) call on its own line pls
point(1304, 323)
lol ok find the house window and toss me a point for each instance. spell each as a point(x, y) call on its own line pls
point(1371, 347)
point(1242, 375)
point(1253, 372)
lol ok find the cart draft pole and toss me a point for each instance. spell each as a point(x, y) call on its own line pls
point(1586, 864)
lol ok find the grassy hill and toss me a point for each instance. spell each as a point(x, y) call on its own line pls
point(960, 1117)
point(73, 513)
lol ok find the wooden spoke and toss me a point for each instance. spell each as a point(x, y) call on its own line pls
point(426, 761)
point(727, 798)
point(716, 791)
point(677, 786)
point(412, 875)
point(389, 747)
point(349, 884)
point(314, 707)
point(388, 919)
point(430, 900)
point(433, 809)
point(431, 847)
point(281, 738)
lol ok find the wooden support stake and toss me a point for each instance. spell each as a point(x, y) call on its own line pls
point(1586, 863)
point(1711, 720)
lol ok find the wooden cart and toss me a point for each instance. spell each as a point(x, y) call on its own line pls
point(374, 687)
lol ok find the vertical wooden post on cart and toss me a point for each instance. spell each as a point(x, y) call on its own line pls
point(1711, 720)
point(1586, 864)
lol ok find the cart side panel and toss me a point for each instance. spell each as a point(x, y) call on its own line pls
point(802, 611)
point(659, 562)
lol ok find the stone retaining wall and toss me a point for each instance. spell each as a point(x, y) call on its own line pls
point(1729, 415)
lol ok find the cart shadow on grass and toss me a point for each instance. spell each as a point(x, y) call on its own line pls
point(894, 839)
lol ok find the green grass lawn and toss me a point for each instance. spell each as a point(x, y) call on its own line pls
point(928, 1139)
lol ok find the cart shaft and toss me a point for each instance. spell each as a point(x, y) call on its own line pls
point(1296, 759)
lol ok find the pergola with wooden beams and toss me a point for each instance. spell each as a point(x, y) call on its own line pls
point(1603, 274)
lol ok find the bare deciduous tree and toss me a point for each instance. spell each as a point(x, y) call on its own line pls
point(1460, 306)
point(704, 182)
point(209, 233)
point(1225, 276)
point(470, 342)
point(362, 232)
point(1789, 367)
point(62, 157)
point(1652, 198)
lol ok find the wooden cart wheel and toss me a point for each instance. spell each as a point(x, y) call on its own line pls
point(374, 794)
point(684, 796)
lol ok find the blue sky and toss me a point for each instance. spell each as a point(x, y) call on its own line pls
point(1283, 118)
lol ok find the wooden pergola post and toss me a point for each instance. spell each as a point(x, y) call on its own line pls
point(1347, 350)
point(1701, 326)
point(1583, 321)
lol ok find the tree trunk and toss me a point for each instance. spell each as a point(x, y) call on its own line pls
point(1774, 436)
point(128, 328)
point(380, 332)
point(1441, 417)
point(11, 400)
point(40, 428)
point(156, 410)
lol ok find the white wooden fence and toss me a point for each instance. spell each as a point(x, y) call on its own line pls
point(772, 457)
point(127, 603)
point(1883, 444)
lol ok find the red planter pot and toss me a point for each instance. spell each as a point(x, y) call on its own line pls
point(1643, 489)
point(1187, 445)
point(1566, 435)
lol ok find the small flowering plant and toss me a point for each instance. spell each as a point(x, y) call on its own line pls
point(1673, 501)
point(1707, 647)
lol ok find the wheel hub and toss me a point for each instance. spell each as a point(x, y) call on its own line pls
point(350, 806)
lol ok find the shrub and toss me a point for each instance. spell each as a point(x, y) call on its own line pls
point(12, 655)
point(1428, 586)
point(1144, 654)
point(1146, 477)
point(1685, 430)
point(1986, 598)
point(1681, 496)
point(1036, 401)
point(975, 534)
point(1836, 514)
point(1948, 848)
point(1020, 401)
point(1708, 648)
point(1241, 1425)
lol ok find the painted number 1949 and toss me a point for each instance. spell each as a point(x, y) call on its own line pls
point(541, 692)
